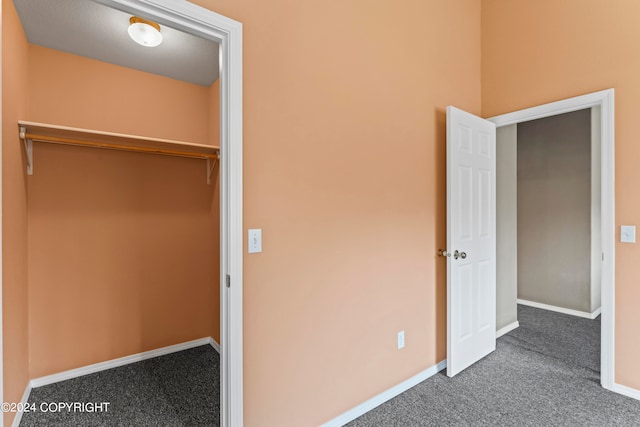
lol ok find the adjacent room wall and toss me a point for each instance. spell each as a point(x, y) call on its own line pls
point(344, 170)
point(14, 210)
point(554, 211)
point(506, 226)
point(123, 250)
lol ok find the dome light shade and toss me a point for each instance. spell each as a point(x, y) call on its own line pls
point(143, 32)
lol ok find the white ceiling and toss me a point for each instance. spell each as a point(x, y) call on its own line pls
point(87, 28)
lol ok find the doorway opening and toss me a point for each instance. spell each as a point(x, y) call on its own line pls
point(601, 255)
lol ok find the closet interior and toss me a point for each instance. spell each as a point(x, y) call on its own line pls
point(110, 191)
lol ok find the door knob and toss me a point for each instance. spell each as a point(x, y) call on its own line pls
point(457, 255)
point(444, 253)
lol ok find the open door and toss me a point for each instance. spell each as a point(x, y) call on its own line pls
point(471, 239)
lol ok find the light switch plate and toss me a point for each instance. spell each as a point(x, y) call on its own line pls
point(255, 240)
point(628, 233)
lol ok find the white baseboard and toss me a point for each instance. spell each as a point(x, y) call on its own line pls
point(505, 330)
point(214, 344)
point(114, 363)
point(23, 402)
point(365, 407)
point(563, 310)
point(626, 391)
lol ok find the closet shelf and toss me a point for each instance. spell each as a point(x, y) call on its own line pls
point(54, 134)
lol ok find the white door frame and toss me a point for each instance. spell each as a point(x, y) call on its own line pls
point(210, 25)
point(605, 100)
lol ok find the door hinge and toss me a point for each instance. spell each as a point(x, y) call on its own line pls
point(228, 281)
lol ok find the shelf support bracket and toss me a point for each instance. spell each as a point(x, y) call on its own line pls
point(212, 164)
point(28, 148)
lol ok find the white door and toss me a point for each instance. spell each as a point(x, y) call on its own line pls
point(471, 239)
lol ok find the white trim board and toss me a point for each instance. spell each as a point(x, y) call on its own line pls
point(389, 394)
point(605, 100)
point(626, 391)
point(506, 329)
point(562, 310)
point(121, 361)
point(23, 403)
point(214, 344)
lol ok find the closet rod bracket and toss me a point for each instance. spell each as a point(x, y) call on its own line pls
point(212, 164)
point(28, 148)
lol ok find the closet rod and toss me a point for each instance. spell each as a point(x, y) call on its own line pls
point(120, 147)
point(63, 135)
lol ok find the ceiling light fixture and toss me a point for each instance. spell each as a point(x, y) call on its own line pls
point(143, 32)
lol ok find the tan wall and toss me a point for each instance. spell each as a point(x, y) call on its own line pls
point(14, 209)
point(554, 210)
point(344, 170)
point(122, 255)
point(541, 51)
point(506, 226)
point(71, 90)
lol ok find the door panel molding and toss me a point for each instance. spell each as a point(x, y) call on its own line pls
point(471, 239)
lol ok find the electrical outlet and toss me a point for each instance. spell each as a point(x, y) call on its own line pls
point(255, 240)
point(400, 340)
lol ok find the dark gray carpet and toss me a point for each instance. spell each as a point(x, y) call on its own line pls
point(545, 373)
point(180, 389)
